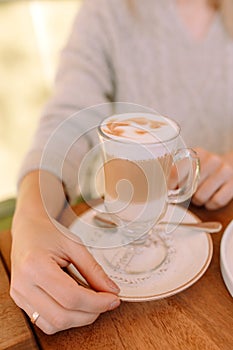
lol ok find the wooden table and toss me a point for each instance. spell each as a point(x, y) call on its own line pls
point(200, 317)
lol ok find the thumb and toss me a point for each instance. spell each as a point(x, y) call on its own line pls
point(89, 268)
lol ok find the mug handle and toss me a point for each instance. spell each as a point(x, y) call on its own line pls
point(187, 190)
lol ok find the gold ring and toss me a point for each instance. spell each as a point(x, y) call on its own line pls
point(34, 317)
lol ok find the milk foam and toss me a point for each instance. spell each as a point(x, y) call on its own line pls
point(142, 128)
point(140, 136)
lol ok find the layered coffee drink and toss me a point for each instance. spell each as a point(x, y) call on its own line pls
point(137, 161)
point(139, 151)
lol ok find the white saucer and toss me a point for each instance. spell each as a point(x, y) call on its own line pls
point(189, 256)
point(226, 257)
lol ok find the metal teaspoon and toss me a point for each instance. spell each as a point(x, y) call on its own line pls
point(104, 220)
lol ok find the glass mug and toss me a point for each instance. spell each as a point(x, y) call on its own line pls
point(139, 150)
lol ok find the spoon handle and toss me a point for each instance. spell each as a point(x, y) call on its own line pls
point(209, 226)
point(104, 220)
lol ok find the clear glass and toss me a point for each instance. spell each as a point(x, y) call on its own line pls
point(134, 185)
point(136, 172)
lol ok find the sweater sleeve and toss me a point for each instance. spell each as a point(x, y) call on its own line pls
point(84, 79)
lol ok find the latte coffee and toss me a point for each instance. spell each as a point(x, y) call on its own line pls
point(137, 161)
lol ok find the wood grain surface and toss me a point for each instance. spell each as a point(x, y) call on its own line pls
point(200, 317)
point(15, 333)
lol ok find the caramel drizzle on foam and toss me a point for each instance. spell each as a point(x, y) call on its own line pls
point(114, 127)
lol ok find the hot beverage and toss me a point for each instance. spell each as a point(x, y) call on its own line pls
point(139, 151)
point(135, 175)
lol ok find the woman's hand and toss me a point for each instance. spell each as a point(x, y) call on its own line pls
point(39, 254)
point(38, 283)
point(215, 188)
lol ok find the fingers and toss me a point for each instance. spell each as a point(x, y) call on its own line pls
point(71, 296)
point(89, 268)
point(179, 173)
point(53, 317)
point(210, 163)
point(215, 188)
point(221, 197)
point(63, 303)
point(209, 186)
point(41, 285)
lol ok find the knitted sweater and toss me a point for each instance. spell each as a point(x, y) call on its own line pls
point(143, 56)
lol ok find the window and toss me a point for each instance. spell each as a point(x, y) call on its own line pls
point(31, 37)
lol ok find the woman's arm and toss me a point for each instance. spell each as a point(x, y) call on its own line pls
point(40, 251)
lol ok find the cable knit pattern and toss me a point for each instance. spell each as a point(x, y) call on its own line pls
point(147, 57)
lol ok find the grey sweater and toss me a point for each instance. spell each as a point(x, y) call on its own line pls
point(143, 56)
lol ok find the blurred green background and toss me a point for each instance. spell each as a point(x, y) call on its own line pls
point(32, 34)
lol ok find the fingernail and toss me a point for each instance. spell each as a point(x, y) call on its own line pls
point(196, 202)
point(211, 206)
point(113, 286)
point(114, 304)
